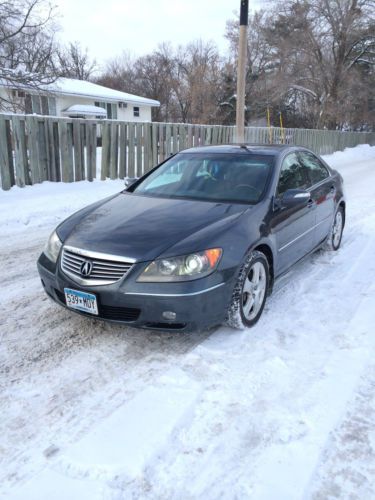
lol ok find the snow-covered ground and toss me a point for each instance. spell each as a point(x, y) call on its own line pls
point(285, 410)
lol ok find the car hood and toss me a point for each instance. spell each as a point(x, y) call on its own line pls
point(142, 227)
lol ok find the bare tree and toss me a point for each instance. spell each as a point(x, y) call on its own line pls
point(312, 60)
point(26, 45)
point(74, 62)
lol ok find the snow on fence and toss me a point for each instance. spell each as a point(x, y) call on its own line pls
point(38, 148)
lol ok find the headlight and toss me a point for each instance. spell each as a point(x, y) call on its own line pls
point(183, 268)
point(53, 247)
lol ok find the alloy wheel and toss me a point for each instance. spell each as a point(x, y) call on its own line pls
point(254, 290)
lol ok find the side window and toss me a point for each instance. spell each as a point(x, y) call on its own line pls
point(292, 175)
point(316, 170)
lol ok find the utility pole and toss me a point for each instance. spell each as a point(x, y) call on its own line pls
point(241, 72)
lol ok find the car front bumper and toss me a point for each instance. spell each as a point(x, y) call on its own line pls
point(198, 304)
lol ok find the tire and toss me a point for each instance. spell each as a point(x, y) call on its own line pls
point(250, 292)
point(335, 236)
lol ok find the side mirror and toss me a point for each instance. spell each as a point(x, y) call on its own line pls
point(129, 181)
point(295, 198)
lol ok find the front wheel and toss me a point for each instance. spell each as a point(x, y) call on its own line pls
point(250, 292)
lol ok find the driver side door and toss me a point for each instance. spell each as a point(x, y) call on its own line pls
point(293, 227)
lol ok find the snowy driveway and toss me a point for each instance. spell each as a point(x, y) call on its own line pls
point(283, 411)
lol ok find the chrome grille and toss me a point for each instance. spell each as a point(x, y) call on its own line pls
point(105, 269)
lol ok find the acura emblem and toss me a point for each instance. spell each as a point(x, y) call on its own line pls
point(86, 268)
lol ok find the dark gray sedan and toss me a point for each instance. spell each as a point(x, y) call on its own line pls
point(199, 240)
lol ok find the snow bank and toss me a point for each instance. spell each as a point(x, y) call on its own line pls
point(360, 153)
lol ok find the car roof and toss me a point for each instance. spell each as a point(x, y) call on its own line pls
point(264, 149)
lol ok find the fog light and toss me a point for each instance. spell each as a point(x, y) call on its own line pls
point(169, 315)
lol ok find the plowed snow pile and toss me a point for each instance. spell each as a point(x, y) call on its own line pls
point(285, 410)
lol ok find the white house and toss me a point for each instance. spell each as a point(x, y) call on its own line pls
point(78, 98)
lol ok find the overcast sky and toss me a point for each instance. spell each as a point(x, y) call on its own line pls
point(109, 27)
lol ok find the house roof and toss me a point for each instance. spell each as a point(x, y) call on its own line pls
point(82, 88)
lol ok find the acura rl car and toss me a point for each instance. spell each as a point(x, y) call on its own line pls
point(199, 240)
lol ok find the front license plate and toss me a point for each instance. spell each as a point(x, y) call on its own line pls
point(81, 300)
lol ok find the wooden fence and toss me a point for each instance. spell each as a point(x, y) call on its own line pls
point(34, 149)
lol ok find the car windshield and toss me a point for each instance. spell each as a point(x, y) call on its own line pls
point(224, 177)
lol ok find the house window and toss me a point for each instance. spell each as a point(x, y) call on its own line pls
point(52, 106)
point(18, 93)
point(109, 111)
point(35, 100)
point(28, 104)
point(44, 100)
point(122, 105)
point(114, 111)
point(136, 110)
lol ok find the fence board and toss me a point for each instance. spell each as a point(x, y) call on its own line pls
point(20, 152)
point(123, 147)
point(155, 156)
point(31, 129)
point(139, 149)
point(161, 143)
point(168, 140)
point(190, 143)
point(131, 151)
point(113, 162)
point(79, 173)
point(43, 150)
point(147, 153)
point(53, 151)
point(91, 139)
point(106, 145)
point(182, 137)
point(67, 174)
point(174, 139)
point(5, 165)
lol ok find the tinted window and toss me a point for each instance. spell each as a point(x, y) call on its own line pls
point(317, 171)
point(217, 177)
point(292, 175)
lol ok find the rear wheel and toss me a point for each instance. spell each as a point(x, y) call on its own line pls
point(335, 237)
point(250, 292)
